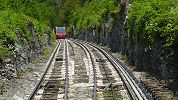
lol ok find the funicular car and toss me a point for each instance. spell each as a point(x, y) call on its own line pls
point(61, 32)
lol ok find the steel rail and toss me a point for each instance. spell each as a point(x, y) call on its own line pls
point(71, 46)
point(47, 67)
point(130, 83)
point(94, 70)
point(113, 94)
point(67, 79)
point(111, 86)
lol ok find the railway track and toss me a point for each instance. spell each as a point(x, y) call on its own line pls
point(78, 70)
point(90, 56)
point(135, 90)
point(81, 82)
point(103, 77)
point(54, 82)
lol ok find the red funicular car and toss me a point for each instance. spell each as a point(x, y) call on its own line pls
point(61, 32)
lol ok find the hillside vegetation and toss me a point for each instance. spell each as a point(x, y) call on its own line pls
point(153, 19)
point(16, 15)
point(84, 14)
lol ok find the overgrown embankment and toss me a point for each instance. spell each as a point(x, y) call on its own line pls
point(25, 32)
point(152, 39)
point(153, 36)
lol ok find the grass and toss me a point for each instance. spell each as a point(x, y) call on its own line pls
point(168, 96)
point(49, 50)
point(20, 73)
point(2, 89)
point(109, 93)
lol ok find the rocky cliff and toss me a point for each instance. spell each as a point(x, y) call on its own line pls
point(23, 50)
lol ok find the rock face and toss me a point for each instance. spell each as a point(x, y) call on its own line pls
point(160, 60)
point(23, 51)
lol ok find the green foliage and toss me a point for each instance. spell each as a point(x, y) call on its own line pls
point(87, 13)
point(153, 19)
point(47, 52)
point(90, 14)
point(66, 10)
point(52, 36)
point(10, 24)
point(15, 16)
point(4, 51)
point(43, 10)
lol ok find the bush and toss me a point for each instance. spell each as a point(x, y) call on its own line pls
point(87, 14)
point(152, 19)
